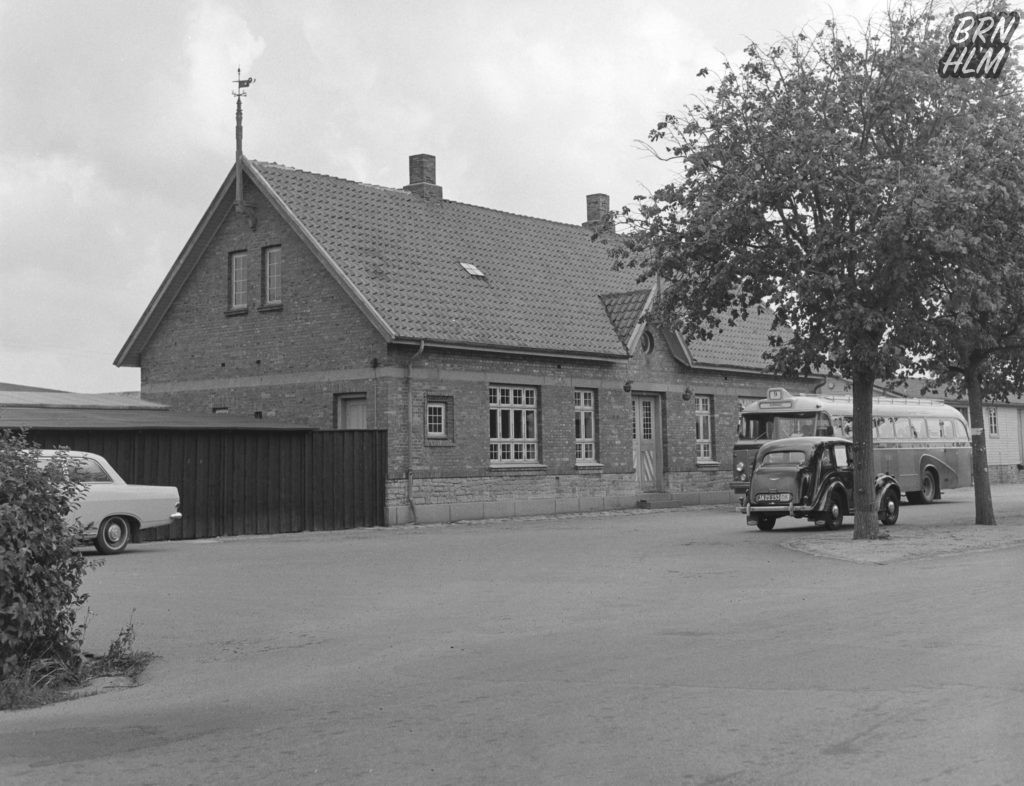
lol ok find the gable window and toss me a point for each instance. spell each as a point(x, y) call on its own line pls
point(239, 280)
point(585, 413)
point(993, 422)
point(704, 441)
point(513, 413)
point(272, 276)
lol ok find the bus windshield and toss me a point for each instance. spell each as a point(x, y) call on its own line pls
point(776, 425)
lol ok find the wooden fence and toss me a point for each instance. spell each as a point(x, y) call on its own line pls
point(241, 482)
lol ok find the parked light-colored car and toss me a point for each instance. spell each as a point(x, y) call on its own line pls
point(112, 512)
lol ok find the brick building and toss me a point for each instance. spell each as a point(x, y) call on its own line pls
point(506, 358)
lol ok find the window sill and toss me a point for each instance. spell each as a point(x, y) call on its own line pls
point(236, 312)
point(439, 442)
point(513, 468)
point(591, 467)
point(271, 307)
point(708, 464)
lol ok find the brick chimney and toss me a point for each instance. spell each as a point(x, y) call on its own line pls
point(598, 212)
point(423, 177)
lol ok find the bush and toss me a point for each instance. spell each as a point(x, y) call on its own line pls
point(41, 572)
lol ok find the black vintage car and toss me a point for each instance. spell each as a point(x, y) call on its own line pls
point(812, 478)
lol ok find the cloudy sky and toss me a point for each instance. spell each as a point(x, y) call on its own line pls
point(117, 126)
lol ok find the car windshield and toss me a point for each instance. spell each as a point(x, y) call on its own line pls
point(784, 457)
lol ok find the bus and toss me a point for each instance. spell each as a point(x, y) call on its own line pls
point(925, 445)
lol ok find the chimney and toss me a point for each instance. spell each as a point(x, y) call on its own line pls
point(423, 178)
point(599, 214)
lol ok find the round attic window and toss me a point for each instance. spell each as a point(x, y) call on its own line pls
point(647, 342)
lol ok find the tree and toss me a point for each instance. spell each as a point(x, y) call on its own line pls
point(40, 570)
point(810, 185)
point(976, 344)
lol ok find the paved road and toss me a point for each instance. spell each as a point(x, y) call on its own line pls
point(657, 647)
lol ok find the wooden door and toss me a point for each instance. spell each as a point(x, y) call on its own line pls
point(647, 442)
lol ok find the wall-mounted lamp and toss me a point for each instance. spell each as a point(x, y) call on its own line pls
point(687, 394)
point(628, 386)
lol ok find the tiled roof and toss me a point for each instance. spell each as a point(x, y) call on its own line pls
point(739, 347)
point(541, 280)
point(624, 310)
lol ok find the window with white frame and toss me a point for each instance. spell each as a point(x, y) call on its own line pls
point(513, 414)
point(704, 440)
point(272, 276)
point(239, 280)
point(993, 422)
point(436, 420)
point(584, 402)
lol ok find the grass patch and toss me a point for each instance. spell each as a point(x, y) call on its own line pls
point(50, 681)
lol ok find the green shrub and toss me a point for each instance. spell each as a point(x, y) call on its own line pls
point(41, 571)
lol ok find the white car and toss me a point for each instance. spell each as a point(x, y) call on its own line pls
point(112, 512)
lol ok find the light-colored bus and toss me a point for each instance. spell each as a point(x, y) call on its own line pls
point(925, 445)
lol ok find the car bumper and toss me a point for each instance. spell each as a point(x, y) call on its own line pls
point(791, 509)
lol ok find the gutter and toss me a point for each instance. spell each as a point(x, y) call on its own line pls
point(408, 429)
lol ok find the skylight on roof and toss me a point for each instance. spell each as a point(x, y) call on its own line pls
point(472, 269)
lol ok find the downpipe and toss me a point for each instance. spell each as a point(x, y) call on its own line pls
point(408, 431)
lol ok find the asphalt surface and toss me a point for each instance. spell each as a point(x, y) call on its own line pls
point(654, 647)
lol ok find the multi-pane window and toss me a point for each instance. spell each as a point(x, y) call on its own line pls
point(993, 422)
point(704, 441)
point(513, 412)
point(437, 419)
point(583, 404)
point(272, 275)
point(239, 280)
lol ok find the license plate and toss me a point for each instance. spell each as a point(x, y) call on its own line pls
point(784, 497)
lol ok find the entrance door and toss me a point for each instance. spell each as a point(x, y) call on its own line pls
point(647, 442)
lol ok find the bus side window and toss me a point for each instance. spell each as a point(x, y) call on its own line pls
point(960, 430)
point(884, 428)
point(937, 428)
point(918, 428)
point(903, 430)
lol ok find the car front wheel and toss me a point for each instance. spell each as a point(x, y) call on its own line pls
point(765, 523)
point(113, 535)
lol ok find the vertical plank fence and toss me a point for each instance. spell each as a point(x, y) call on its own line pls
point(247, 482)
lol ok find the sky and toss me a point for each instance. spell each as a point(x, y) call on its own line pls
point(117, 126)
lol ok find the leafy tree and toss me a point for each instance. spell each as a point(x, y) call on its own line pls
point(978, 307)
point(40, 570)
point(811, 181)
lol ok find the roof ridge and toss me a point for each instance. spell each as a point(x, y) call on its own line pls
point(402, 190)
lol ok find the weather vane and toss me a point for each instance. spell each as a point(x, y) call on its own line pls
point(241, 84)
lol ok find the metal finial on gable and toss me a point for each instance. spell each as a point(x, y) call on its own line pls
point(240, 206)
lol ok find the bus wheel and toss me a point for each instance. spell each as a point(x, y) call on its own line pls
point(765, 523)
point(928, 492)
point(833, 515)
point(889, 507)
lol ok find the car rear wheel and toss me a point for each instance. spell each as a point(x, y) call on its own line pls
point(889, 507)
point(833, 515)
point(113, 535)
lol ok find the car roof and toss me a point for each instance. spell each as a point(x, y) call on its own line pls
point(801, 443)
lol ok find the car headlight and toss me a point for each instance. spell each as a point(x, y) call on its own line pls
point(740, 466)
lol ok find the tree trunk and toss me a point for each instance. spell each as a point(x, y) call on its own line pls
point(983, 511)
point(865, 515)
